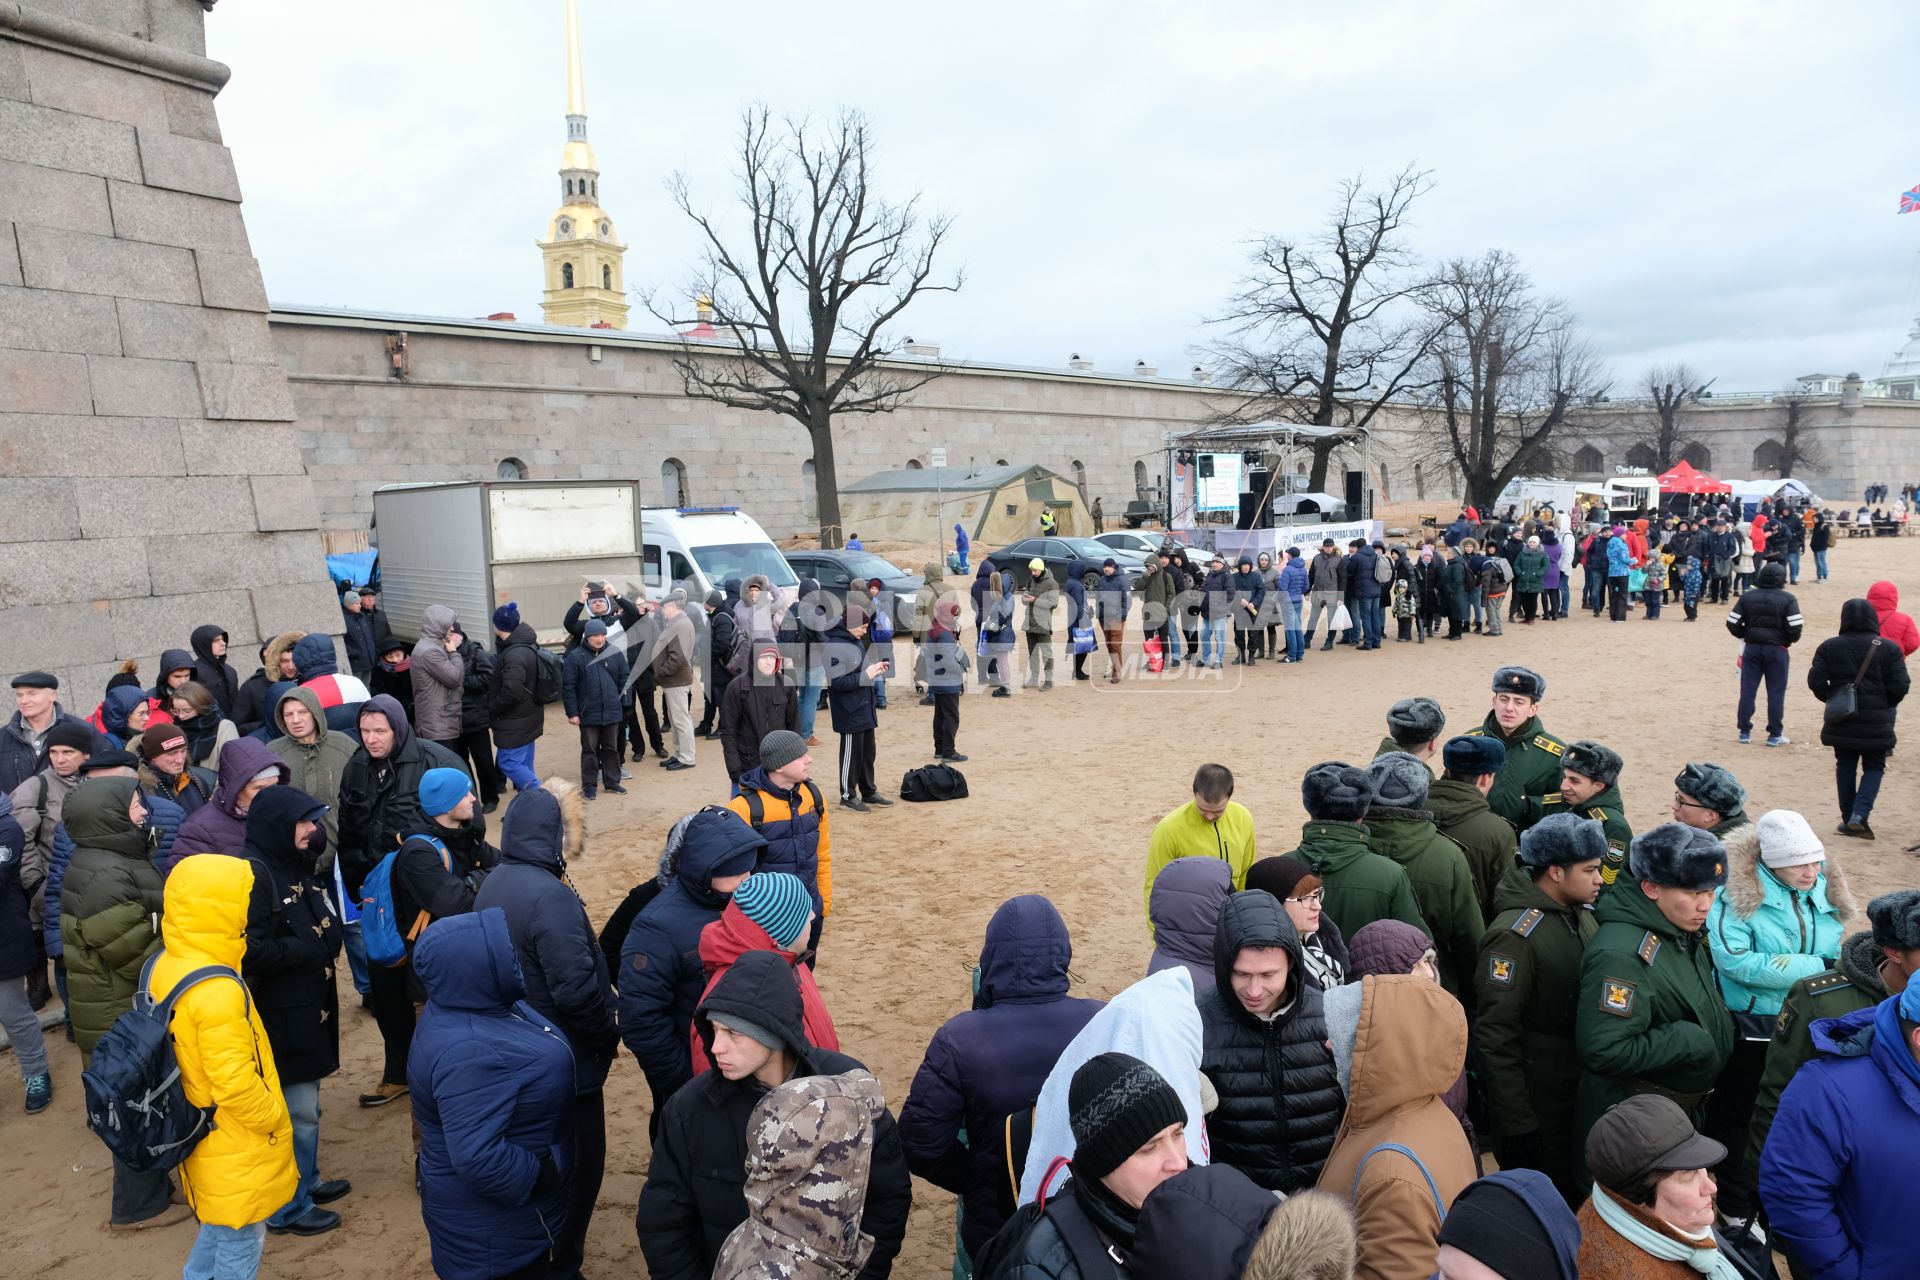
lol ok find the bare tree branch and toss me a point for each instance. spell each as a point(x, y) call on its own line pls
point(823, 258)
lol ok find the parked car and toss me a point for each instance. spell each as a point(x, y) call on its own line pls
point(1058, 553)
point(1146, 542)
point(841, 572)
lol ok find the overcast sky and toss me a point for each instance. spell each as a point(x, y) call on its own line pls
point(1710, 180)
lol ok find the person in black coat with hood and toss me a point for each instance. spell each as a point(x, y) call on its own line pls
point(565, 974)
point(210, 668)
point(293, 940)
point(474, 746)
point(513, 706)
point(695, 1190)
point(757, 702)
point(1861, 743)
point(717, 676)
point(1264, 1048)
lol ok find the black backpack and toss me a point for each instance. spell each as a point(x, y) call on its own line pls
point(547, 667)
point(933, 782)
point(1091, 1258)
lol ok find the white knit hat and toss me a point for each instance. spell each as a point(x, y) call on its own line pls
point(1787, 840)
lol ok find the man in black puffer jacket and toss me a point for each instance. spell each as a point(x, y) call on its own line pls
point(1265, 1049)
point(1768, 619)
point(513, 706)
point(716, 676)
point(695, 1189)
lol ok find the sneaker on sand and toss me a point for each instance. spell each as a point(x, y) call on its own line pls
point(1858, 830)
point(39, 1093)
point(381, 1096)
point(858, 806)
point(1779, 740)
point(1745, 739)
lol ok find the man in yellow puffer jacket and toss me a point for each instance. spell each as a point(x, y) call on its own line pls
point(243, 1169)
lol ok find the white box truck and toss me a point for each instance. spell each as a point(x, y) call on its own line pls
point(702, 547)
point(473, 545)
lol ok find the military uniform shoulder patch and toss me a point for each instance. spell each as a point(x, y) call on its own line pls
point(1529, 921)
point(1828, 982)
point(1783, 1025)
point(1649, 947)
point(1500, 970)
point(1597, 814)
point(1547, 744)
point(1617, 997)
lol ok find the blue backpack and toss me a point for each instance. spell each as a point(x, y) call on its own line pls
point(135, 1102)
point(379, 918)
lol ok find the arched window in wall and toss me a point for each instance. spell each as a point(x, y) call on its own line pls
point(1080, 480)
point(511, 469)
point(1697, 455)
point(566, 275)
point(1139, 479)
point(1589, 461)
point(606, 277)
point(1769, 455)
point(1642, 457)
point(673, 482)
point(913, 464)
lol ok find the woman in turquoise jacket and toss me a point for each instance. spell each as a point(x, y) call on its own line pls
point(1780, 918)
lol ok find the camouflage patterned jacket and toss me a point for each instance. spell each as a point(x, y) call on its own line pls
point(809, 1149)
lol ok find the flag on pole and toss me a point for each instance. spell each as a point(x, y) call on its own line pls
point(1910, 200)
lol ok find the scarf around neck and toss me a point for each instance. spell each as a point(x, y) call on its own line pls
point(1707, 1260)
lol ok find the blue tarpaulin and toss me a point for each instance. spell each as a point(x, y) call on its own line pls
point(353, 568)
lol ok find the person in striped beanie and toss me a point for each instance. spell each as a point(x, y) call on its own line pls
point(769, 911)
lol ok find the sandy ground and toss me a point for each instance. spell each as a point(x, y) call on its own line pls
point(1066, 787)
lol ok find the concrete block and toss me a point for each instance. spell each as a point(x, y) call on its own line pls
point(255, 391)
point(240, 449)
point(54, 198)
point(123, 17)
point(13, 73)
point(308, 606)
point(54, 636)
point(88, 88)
point(44, 382)
point(231, 280)
point(190, 112)
point(171, 331)
point(144, 388)
point(199, 504)
point(187, 164)
point(148, 624)
point(284, 502)
point(183, 563)
point(32, 510)
point(46, 573)
point(85, 683)
point(178, 26)
point(55, 445)
point(248, 339)
point(62, 140)
point(9, 255)
point(153, 216)
point(46, 320)
point(52, 258)
point(300, 555)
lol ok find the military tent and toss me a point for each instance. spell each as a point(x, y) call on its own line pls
point(995, 505)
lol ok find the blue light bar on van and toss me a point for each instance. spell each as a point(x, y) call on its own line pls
point(706, 511)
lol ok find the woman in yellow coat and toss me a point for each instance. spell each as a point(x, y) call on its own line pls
point(243, 1169)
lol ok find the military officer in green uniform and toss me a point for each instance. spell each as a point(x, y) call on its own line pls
point(1528, 984)
point(1708, 797)
point(1590, 787)
point(1458, 801)
point(1872, 966)
point(1649, 1018)
point(1532, 770)
point(1414, 725)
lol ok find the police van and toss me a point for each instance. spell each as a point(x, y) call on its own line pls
point(700, 548)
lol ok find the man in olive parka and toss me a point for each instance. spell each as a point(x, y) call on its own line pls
point(1650, 1018)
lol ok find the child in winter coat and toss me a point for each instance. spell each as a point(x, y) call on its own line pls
point(1692, 580)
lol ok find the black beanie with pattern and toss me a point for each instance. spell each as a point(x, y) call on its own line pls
point(1115, 1104)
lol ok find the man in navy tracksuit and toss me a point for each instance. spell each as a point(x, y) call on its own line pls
point(1768, 619)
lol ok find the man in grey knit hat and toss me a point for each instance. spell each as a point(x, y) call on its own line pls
point(778, 799)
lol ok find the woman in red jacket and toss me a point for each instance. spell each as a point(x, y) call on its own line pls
point(1895, 626)
point(770, 911)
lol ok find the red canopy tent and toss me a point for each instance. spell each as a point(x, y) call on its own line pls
point(1684, 479)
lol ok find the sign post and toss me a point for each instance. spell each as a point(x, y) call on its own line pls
point(937, 459)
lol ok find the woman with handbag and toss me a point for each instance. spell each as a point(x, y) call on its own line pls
point(1780, 917)
point(1862, 679)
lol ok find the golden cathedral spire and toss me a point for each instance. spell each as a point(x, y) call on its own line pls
point(586, 284)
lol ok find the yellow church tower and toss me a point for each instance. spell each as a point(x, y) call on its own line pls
point(586, 284)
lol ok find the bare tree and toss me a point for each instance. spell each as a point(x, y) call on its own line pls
point(824, 259)
point(1669, 390)
point(1324, 330)
point(1799, 449)
point(1503, 372)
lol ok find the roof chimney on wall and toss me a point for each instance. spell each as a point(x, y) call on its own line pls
point(1850, 392)
point(1202, 374)
point(922, 350)
point(1145, 369)
point(1079, 363)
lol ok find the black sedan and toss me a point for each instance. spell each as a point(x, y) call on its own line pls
point(1058, 553)
point(842, 572)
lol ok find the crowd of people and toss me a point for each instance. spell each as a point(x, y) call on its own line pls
point(1679, 1045)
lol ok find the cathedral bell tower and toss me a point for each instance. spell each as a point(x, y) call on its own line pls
point(586, 282)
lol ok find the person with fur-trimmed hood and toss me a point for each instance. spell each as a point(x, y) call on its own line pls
point(708, 854)
point(751, 1023)
point(1782, 917)
point(565, 976)
point(1650, 1017)
point(254, 711)
point(809, 1155)
point(1526, 987)
point(1400, 827)
point(1264, 1048)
